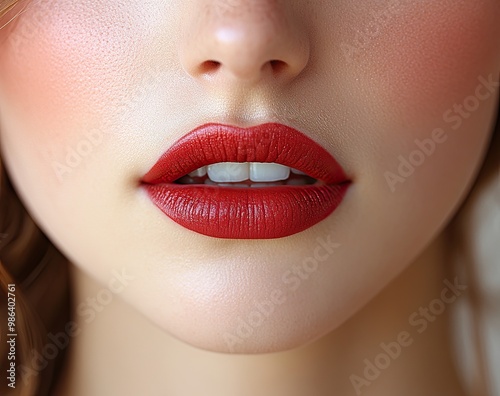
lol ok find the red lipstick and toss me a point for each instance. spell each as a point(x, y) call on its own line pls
point(246, 213)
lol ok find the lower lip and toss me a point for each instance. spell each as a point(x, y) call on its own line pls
point(247, 213)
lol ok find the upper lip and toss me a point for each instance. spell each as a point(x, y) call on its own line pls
point(268, 143)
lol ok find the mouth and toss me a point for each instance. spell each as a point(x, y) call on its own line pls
point(247, 174)
point(268, 181)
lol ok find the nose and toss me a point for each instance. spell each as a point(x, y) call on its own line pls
point(244, 40)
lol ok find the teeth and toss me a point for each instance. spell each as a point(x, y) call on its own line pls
point(235, 172)
point(264, 172)
point(200, 172)
point(226, 172)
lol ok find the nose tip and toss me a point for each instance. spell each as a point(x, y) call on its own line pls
point(250, 44)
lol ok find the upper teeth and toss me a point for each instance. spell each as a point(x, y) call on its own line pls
point(234, 172)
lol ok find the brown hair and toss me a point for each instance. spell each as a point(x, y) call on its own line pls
point(6, 6)
point(33, 287)
point(39, 297)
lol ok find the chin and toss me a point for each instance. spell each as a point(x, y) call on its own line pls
point(259, 327)
point(248, 340)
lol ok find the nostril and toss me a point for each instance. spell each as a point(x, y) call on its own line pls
point(212, 67)
point(209, 67)
point(278, 66)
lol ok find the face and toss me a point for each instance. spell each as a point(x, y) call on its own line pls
point(401, 93)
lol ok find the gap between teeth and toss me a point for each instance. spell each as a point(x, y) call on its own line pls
point(234, 172)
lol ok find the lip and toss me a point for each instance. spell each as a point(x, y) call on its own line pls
point(246, 213)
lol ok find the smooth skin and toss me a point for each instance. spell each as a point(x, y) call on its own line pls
point(93, 92)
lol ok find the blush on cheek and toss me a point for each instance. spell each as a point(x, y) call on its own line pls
point(69, 63)
point(430, 55)
point(38, 84)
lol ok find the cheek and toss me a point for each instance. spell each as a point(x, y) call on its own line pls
point(69, 66)
point(407, 81)
point(425, 67)
point(431, 55)
point(70, 72)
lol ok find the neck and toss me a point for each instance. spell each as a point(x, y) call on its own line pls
point(390, 347)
